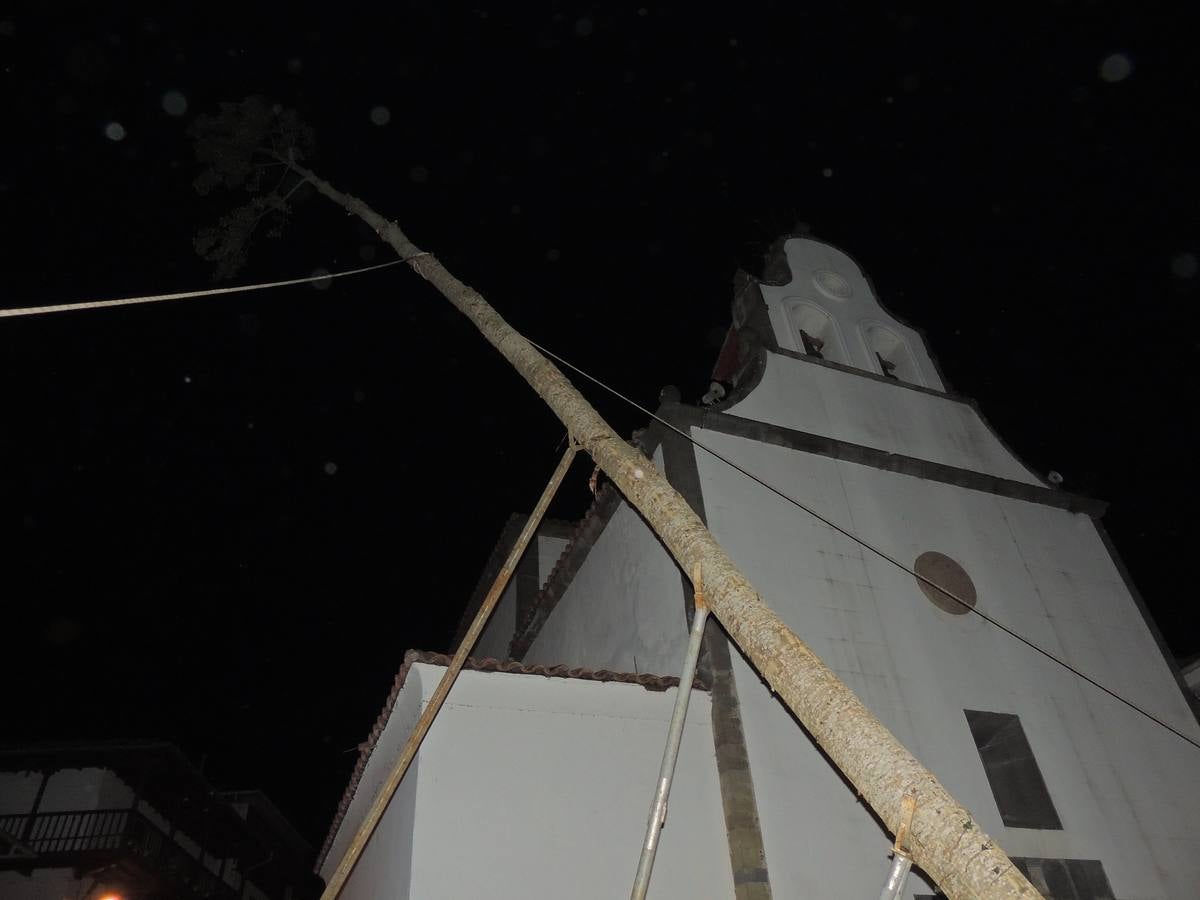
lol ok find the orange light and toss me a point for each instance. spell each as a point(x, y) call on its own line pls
point(112, 897)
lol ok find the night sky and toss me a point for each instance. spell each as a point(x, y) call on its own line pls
point(225, 520)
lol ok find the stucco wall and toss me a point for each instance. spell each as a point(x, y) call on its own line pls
point(387, 859)
point(539, 787)
point(1125, 790)
point(623, 611)
point(498, 632)
point(549, 548)
point(822, 400)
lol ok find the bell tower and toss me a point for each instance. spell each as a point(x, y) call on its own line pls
point(826, 308)
point(812, 350)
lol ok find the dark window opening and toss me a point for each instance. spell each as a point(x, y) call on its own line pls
point(1013, 773)
point(814, 332)
point(1066, 879)
point(812, 345)
point(887, 366)
point(892, 354)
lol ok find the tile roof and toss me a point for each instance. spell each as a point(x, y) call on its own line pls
point(367, 747)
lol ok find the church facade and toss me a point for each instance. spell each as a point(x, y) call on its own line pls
point(827, 404)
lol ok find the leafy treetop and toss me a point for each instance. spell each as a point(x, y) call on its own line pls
point(242, 147)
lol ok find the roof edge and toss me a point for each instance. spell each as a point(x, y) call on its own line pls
point(508, 667)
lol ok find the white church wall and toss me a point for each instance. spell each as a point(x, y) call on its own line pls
point(549, 549)
point(842, 405)
point(623, 610)
point(385, 867)
point(497, 634)
point(387, 859)
point(539, 787)
point(1125, 790)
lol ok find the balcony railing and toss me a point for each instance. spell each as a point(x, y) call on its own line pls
point(108, 835)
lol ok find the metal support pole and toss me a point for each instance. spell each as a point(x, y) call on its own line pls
point(658, 809)
point(894, 889)
point(901, 861)
point(379, 805)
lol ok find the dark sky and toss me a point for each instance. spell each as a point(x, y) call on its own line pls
point(225, 520)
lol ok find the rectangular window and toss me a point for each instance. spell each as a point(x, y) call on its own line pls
point(1066, 879)
point(1013, 773)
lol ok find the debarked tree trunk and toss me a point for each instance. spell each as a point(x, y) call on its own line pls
point(944, 840)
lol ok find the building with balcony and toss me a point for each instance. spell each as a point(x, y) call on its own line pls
point(137, 821)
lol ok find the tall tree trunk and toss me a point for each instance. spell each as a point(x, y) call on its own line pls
point(944, 839)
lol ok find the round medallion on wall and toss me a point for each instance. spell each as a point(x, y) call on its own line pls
point(945, 573)
point(832, 285)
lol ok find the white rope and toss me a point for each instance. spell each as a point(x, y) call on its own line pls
point(211, 292)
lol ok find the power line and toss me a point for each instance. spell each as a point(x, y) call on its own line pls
point(211, 292)
point(873, 549)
